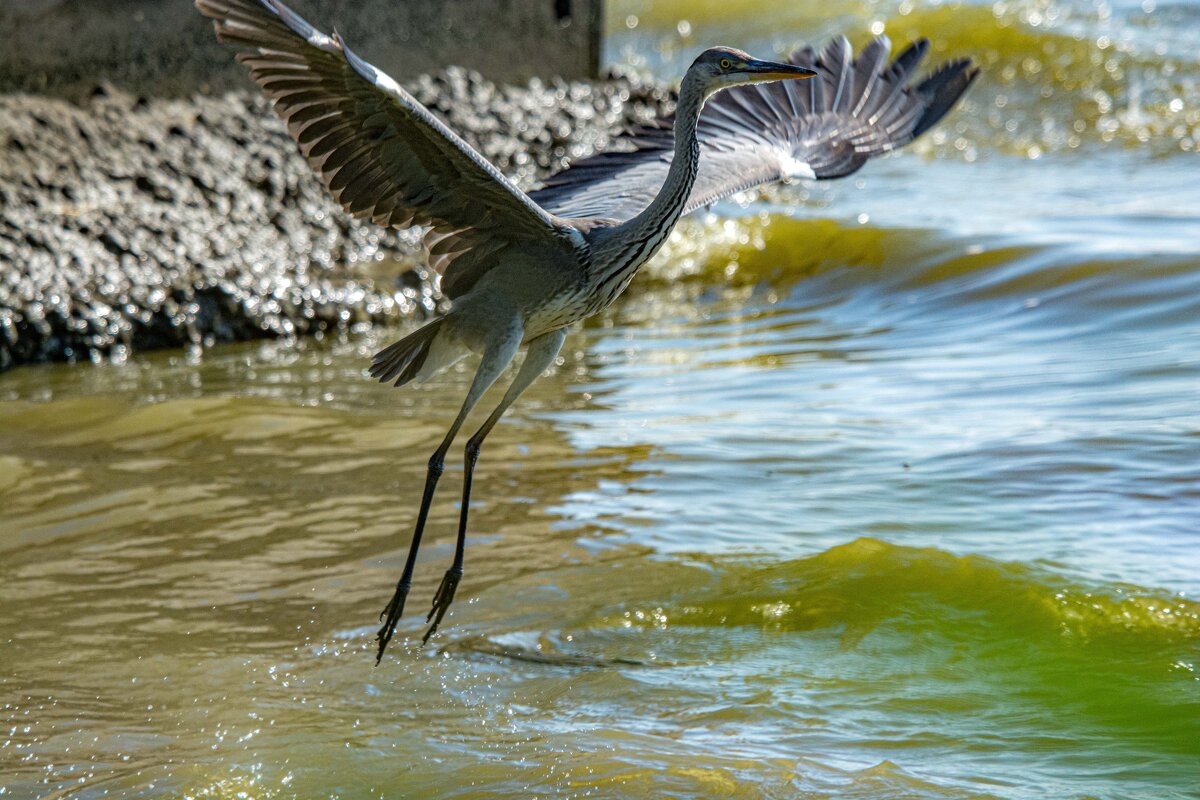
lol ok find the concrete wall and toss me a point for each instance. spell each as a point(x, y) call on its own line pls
point(165, 48)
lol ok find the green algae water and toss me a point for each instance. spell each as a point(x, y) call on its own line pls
point(883, 488)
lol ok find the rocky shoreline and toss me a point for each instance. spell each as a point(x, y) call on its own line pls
point(129, 223)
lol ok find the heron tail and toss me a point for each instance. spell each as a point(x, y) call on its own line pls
point(403, 360)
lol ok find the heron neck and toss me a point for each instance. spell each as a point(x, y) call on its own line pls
point(649, 229)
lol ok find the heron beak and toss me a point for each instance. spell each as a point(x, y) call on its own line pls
point(776, 71)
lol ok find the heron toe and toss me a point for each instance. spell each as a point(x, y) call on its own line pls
point(391, 617)
point(442, 600)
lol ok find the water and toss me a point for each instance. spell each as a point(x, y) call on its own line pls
point(884, 488)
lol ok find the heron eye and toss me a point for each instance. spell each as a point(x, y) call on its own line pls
point(726, 63)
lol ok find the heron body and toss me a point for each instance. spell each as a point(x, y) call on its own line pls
point(521, 268)
point(582, 273)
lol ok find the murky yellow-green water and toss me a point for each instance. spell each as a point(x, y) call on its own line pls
point(881, 489)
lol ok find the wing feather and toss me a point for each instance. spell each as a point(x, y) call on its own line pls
point(827, 127)
point(381, 153)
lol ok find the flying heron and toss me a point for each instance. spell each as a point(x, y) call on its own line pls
point(520, 268)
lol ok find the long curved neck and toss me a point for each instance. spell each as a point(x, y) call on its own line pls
point(636, 240)
point(663, 212)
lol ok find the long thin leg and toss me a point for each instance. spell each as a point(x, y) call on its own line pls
point(538, 356)
point(495, 360)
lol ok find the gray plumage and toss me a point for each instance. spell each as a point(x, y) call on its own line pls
point(381, 153)
point(753, 135)
point(519, 269)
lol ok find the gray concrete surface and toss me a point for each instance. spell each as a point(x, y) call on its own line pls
point(165, 48)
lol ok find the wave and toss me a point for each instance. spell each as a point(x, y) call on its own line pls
point(866, 584)
point(911, 270)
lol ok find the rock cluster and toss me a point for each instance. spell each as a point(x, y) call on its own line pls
point(130, 223)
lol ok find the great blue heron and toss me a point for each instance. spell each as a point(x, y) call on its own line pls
point(520, 268)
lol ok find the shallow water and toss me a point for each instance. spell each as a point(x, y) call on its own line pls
point(883, 488)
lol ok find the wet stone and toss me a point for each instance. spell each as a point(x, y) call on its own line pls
point(131, 223)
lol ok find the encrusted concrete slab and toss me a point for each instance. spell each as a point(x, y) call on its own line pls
point(130, 223)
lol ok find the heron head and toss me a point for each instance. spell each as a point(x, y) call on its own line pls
point(722, 67)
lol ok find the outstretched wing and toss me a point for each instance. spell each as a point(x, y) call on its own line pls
point(381, 153)
point(826, 127)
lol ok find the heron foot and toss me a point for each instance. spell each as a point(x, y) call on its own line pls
point(390, 616)
point(442, 600)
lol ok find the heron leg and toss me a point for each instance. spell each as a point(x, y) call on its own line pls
point(538, 357)
point(495, 360)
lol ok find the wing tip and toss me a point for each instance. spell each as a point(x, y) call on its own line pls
point(942, 90)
